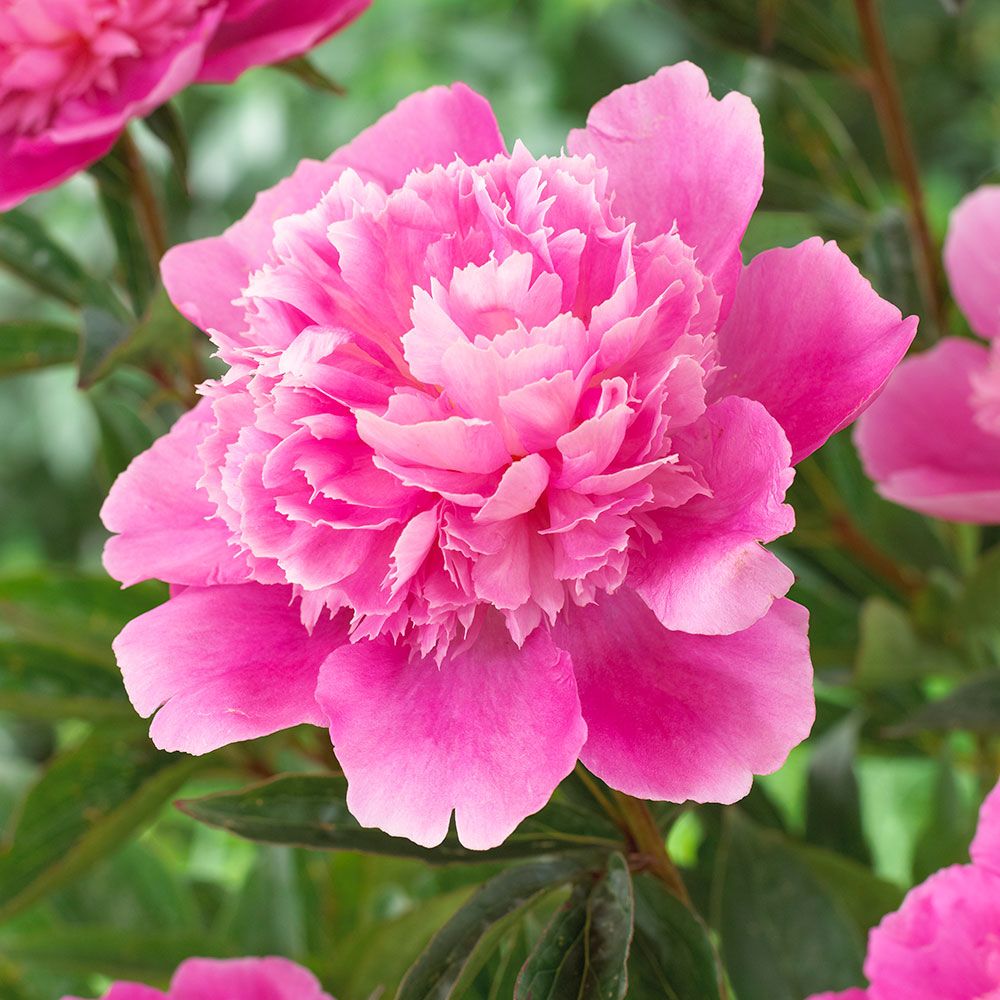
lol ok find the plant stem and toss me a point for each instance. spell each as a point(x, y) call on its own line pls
point(650, 845)
point(150, 215)
point(883, 85)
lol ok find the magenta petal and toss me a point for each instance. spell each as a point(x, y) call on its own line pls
point(244, 979)
point(225, 664)
point(271, 32)
point(35, 163)
point(972, 259)
point(675, 716)
point(985, 848)
point(676, 154)
point(163, 524)
point(810, 339)
point(489, 734)
point(709, 574)
point(920, 441)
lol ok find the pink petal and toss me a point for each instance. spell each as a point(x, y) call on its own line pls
point(675, 153)
point(972, 259)
point(456, 443)
point(425, 129)
point(920, 441)
point(225, 664)
point(129, 991)
point(488, 734)
point(203, 278)
point(164, 525)
point(521, 485)
point(985, 848)
point(809, 338)
point(853, 994)
point(675, 716)
point(709, 574)
point(244, 979)
point(272, 32)
point(942, 942)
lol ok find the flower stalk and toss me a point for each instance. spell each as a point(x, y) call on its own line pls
point(650, 845)
point(883, 85)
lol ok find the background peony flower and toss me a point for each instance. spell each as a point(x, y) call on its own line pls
point(74, 72)
point(484, 487)
point(932, 440)
point(228, 979)
point(943, 943)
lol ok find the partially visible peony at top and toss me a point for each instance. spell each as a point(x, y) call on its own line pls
point(931, 441)
point(74, 72)
point(484, 487)
point(943, 943)
point(228, 979)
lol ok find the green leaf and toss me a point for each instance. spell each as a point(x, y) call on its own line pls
point(863, 896)
point(672, 954)
point(948, 829)
point(806, 33)
point(583, 952)
point(973, 707)
point(784, 935)
point(376, 957)
point(891, 652)
point(73, 614)
point(459, 949)
point(104, 332)
point(114, 187)
point(977, 611)
point(833, 801)
point(27, 250)
point(29, 344)
point(161, 340)
point(269, 914)
point(89, 802)
point(47, 684)
point(304, 70)
point(118, 953)
point(309, 810)
point(166, 124)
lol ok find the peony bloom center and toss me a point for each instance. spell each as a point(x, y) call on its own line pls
point(476, 390)
point(56, 51)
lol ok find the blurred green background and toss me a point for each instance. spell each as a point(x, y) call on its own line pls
point(894, 625)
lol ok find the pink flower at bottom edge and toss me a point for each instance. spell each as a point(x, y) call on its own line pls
point(73, 73)
point(931, 441)
point(485, 486)
point(943, 943)
point(228, 979)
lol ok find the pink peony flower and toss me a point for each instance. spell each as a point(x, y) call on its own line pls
point(932, 440)
point(484, 487)
point(228, 979)
point(73, 72)
point(943, 943)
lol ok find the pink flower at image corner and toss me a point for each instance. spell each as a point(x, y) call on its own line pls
point(73, 73)
point(943, 943)
point(228, 979)
point(484, 487)
point(931, 441)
